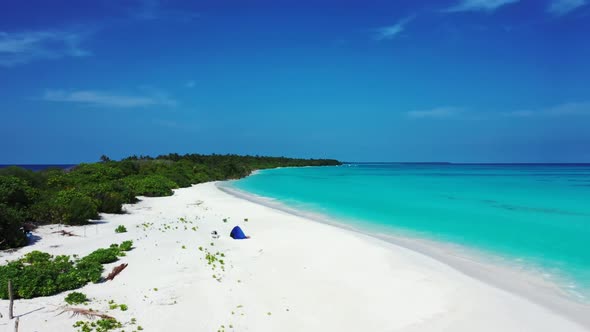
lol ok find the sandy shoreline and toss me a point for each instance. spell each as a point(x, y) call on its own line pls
point(295, 274)
point(524, 283)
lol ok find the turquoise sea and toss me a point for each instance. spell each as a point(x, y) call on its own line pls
point(534, 215)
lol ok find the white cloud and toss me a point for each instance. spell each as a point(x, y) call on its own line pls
point(479, 5)
point(574, 108)
point(562, 7)
point(561, 110)
point(437, 113)
point(23, 47)
point(566, 109)
point(389, 32)
point(105, 99)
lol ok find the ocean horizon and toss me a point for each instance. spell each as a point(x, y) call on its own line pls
point(39, 167)
point(532, 217)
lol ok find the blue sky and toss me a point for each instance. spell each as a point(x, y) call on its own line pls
point(455, 80)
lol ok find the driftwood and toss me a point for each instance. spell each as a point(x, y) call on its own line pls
point(65, 233)
point(88, 313)
point(116, 271)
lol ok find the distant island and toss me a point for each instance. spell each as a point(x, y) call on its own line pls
point(75, 195)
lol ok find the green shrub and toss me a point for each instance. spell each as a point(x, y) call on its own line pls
point(103, 256)
point(41, 211)
point(120, 229)
point(110, 202)
point(37, 258)
point(72, 207)
point(104, 325)
point(94, 173)
point(41, 274)
point(109, 196)
point(76, 298)
point(126, 245)
point(89, 270)
point(15, 192)
point(151, 185)
point(11, 234)
point(33, 179)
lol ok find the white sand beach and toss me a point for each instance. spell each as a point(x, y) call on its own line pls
point(294, 274)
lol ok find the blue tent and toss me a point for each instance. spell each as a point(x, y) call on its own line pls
point(237, 233)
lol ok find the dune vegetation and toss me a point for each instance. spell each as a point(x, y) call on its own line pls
point(77, 195)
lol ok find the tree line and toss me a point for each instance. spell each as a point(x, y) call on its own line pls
point(77, 195)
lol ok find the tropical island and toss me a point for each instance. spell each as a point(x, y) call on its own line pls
point(140, 243)
point(75, 196)
point(460, 204)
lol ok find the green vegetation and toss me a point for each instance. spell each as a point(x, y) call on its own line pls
point(76, 298)
point(113, 305)
point(120, 229)
point(126, 245)
point(41, 274)
point(213, 260)
point(76, 196)
point(11, 221)
point(101, 325)
point(104, 255)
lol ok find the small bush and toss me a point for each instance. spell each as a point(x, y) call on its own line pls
point(15, 192)
point(121, 229)
point(103, 256)
point(71, 207)
point(110, 202)
point(89, 270)
point(126, 245)
point(76, 298)
point(151, 185)
point(36, 257)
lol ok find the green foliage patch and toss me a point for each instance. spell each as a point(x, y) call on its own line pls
point(100, 325)
point(41, 274)
point(11, 221)
point(126, 245)
point(120, 229)
point(76, 298)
